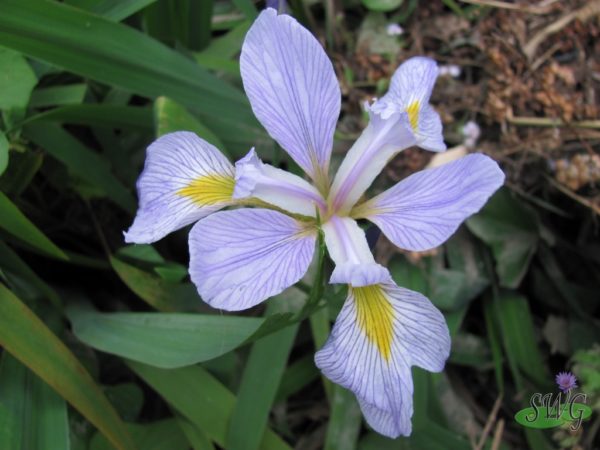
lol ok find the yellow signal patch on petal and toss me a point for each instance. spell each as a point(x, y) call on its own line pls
point(375, 317)
point(209, 190)
point(413, 114)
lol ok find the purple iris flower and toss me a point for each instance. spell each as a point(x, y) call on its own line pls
point(566, 381)
point(265, 242)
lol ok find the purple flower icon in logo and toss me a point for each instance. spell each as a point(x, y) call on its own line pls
point(566, 381)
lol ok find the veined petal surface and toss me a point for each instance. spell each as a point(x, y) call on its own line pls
point(184, 179)
point(241, 257)
point(409, 93)
point(292, 89)
point(382, 331)
point(348, 247)
point(424, 210)
point(377, 144)
point(285, 190)
point(400, 119)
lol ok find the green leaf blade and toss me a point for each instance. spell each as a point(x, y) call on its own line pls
point(24, 335)
point(258, 389)
point(166, 340)
point(17, 224)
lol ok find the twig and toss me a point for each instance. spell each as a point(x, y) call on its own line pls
point(586, 12)
point(521, 8)
point(98, 228)
point(549, 122)
point(578, 198)
point(498, 435)
point(490, 421)
point(542, 59)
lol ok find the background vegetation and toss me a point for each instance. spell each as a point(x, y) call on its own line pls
point(107, 345)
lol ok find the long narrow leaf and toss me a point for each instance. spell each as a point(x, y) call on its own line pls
point(80, 160)
point(160, 435)
point(154, 290)
point(15, 222)
point(11, 262)
point(259, 387)
point(57, 95)
point(118, 10)
point(105, 116)
point(39, 413)
point(345, 421)
point(200, 397)
point(118, 55)
point(162, 340)
point(4, 146)
point(26, 337)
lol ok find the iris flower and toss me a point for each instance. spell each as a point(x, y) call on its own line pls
point(265, 242)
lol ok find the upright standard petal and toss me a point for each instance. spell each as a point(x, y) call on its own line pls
point(377, 144)
point(240, 258)
point(425, 209)
point(292, 88)
point(349, 249)
point(400, 119)
point(410, 90)
point(184, 179)
point(285, 190)
point(382, 331)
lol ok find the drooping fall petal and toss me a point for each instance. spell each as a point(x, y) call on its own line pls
point(184, 179)
point(242, 257)
point(381, 331)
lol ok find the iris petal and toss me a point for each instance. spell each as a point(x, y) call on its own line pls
point(240, 258)
point(400, 119)
point(184, 179)
point(424, 210)
point(285, 190)
point(292, 88)
point(382, 331)
point(348, 247)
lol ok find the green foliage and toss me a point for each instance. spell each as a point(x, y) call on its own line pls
point(15, 222)
point(165, 340)
point(3, 153)
point(382, 5)
point(26, 337)
point(34, 416)
point(17, 80)
point(511, 230)
point(109, 346)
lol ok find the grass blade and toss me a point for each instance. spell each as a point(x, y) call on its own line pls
point(57, 95)
point(39, 414)
point(162, 340)
point(81, 161)
point(169, 116)
point(344, 422)
point(118, 10)
point(11, 262)
point(17, 81)
point(200, 397)
point(25, 336)
point(258, 388)
point(160, 435)
point(154, 290)
point(15, 222)
point(120, 56)
point(3, 152)
point(104, 116)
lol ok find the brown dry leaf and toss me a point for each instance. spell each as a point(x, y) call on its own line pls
point(578, 171)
